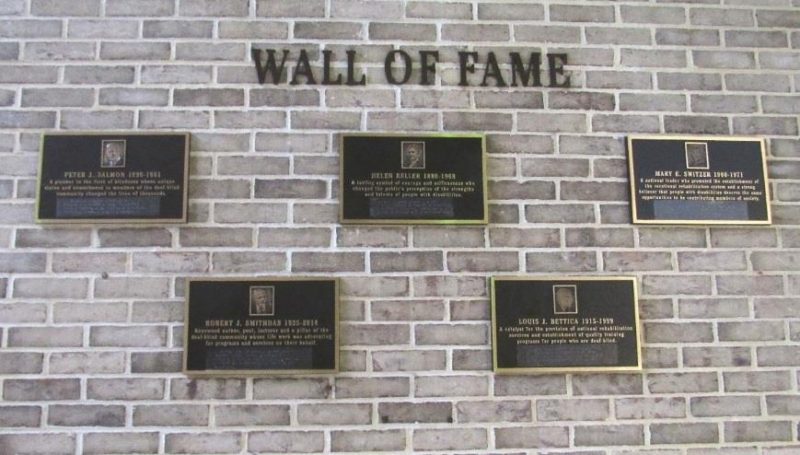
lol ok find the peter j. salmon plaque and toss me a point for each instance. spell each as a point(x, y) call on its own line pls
point(261, 326)
point(113, 178)
point(400, 179)
point(698, 180)
point(565, 324)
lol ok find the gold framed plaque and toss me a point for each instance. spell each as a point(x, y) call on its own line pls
point(261, 326)
point(124, 177)
point(413, 179)
point(565, 324)
point(698, 180)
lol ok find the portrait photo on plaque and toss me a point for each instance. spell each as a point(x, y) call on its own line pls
point(698, 180)
point(269, 326)
point(409, 179)
point(696, 155)
point(565, 299)
point(262, 300)
point(565, 324)
point(113, 178)
point(113, 153)
point(412, 155)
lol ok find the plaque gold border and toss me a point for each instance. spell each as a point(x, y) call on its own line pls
point(265, 373)
point(422, 136)
point(672, 137)
point(53, 221)
point(566, 369)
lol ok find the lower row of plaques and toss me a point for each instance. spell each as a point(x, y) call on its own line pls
point(291, 325)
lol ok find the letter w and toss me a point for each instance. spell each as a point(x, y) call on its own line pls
point(270, 67)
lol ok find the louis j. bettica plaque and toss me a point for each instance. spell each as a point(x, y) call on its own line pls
point(413, 179)
point(565, 324)
point(113, 178)
point(261, 326)
point(698, 180)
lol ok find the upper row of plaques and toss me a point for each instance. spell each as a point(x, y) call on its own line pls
point(399, 179)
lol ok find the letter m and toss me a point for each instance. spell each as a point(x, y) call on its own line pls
point(525, 74)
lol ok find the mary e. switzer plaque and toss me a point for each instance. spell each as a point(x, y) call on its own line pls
point(698, 180)
point(398, 179)
point(565, 324)
point(261, 326)
point(113, 177)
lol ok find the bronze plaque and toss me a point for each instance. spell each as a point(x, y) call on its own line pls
point(110, 177)
point(261, 326)
point(399, 179)
point(698, 180)
point(565, 324)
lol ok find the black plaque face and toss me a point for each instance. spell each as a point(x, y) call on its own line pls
point(391, 179)
point(107, 178)
point(271, 326)
point(565, 324)
point(698, 180)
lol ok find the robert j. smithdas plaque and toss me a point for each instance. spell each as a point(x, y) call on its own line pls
point(698, 180)
point(565, 324)
point(113, 177)
point(400, 179)
point(261, 326)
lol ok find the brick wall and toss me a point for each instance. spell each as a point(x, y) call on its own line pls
point(91, 318)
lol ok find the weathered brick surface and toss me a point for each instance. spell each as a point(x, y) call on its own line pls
point(87, 415)
point(200, 389)
point(55, 443)
point(91, 315)
point(372, 387)
point(449, 439)
point(291, 388)
point(21, 362)
point(501, 411)
point(156, 362)
point(121, 443)
point(367, 441)
point(41, 389)
point(20, 416)
point(676, 433)
point(530, 385)
point(125, 389)
point(251, 415)
point(683, 382)
point(531, 437)
point(394, 361)
point(87, 362)
point(172, 415)
point(286, 441)
point(609, 435)
point(551, 410)
point(415, 412)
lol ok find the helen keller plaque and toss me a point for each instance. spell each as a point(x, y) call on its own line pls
point(261, 326)
point(698, 180)
point(565, 324)
point(107, 178)
point(394, 179)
